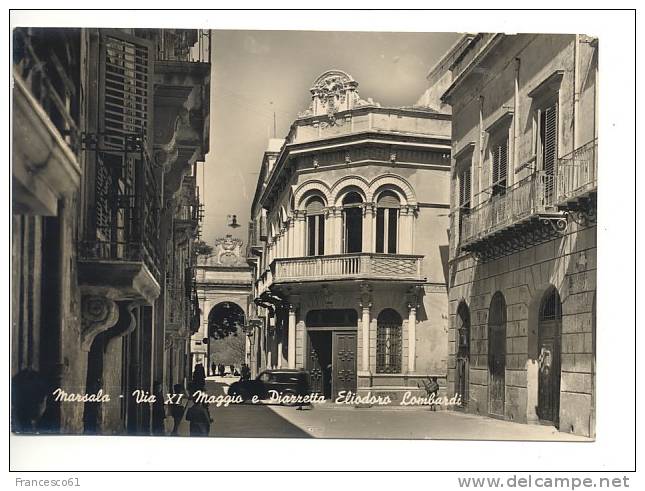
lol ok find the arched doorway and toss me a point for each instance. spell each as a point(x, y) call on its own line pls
point(497, 355)
point(549, 329)
point(227, 343)
point(463, 352)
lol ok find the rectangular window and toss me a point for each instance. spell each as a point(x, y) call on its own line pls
point(315, 235)
point(499, 157)
point(386, 230)
point(464, 195)
point(547, 143)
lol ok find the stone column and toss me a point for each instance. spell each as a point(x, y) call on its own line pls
point(412, 329)
point(299, 239)
point(291, 349)
point(368, 227)
point(366, 305)
point(291, 237)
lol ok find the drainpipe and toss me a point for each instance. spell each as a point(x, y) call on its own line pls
point(516, 104)
point(576, 55)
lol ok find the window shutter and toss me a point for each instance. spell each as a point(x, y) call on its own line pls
point(126, 88)
point(550, 138)
point(464, 188)
point(500, 163)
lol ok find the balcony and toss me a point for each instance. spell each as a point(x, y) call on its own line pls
point(360, 266)
point(526, 214)
point(45, 119)
point(119, 252)
point(577, 176)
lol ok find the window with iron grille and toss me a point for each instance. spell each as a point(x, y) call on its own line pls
point(551, 307)
point(388, 342)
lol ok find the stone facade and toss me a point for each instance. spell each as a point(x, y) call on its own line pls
point(101, 249)
point(361, 308)
point(525, 104)
point(223, 277)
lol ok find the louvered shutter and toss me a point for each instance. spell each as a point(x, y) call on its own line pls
point(464, 188)
point(500, 165)
point(124, 123)
point(126, 88)
point(550, 139)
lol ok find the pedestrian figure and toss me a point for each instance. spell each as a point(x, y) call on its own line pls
point(432, 388)
point(199, 377)
point(158, 410)
point(213, 369)
point(178, 409)
point(232, 367)
point(246, 372)
point(222, 369)
point(200, 419)
point(29, 391)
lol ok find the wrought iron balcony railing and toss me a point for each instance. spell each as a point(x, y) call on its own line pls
point(46, 61)
point(123, 220)
point(398, 267)
point(578, 172)
point(191, 45)
point(526, 199)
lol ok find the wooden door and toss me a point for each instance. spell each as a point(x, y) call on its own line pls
point(344, 363)
point(497, 355)
point(314, 364)
point(549, 371)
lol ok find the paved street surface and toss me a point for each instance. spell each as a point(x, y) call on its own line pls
point(335, 421)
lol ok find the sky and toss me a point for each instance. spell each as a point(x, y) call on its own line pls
point(257, 73)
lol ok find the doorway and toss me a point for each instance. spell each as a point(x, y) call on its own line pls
point(331, 362)
point(463, 353)
point(497, 355)
point(549, 357)
point(331, 351)
point(319, 362)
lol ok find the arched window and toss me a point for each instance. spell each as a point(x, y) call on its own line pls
point(388, 342)
point(387, 221)
point(497, 354)
point(315, 226)
point(352, 222)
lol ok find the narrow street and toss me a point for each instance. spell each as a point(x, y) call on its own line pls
point(335, 421)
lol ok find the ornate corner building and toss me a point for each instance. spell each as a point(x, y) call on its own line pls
point(348, 243)
point(108, 128)
point(523, 228)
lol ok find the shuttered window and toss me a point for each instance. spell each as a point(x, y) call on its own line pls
point(464, 188)
point(126, 88)
point(548, 147)
point(499, 155)
point(124, 113)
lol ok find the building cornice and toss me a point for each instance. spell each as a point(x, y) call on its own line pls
point(434, 142)
point(469, 68)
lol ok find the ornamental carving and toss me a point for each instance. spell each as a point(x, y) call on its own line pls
point(98, 314)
